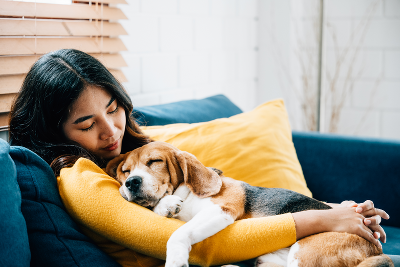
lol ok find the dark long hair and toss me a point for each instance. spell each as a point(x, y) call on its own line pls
point(53, 83)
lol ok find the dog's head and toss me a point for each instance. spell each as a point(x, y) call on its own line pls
point(155, 170)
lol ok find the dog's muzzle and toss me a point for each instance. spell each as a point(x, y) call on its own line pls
point(133, 184)
point(135, 194)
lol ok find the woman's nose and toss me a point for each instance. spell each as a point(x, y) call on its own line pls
point(108, 130)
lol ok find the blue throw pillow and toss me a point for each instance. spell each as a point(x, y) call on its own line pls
point(14, 244)
point(54, 238)
point(188, 111)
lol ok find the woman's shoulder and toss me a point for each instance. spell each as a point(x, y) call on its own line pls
point(83, 173)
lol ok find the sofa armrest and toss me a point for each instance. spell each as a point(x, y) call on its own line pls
point(338, 168)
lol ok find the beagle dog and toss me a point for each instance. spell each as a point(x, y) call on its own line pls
point(174, 183)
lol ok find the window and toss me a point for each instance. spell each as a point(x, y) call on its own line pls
point(30, 29)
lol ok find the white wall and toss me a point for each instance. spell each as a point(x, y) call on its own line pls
point(185, 49)
point(374, 107)
point(370, 71)
point(251, 50)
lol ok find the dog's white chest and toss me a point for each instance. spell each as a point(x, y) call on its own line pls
point(191, 203)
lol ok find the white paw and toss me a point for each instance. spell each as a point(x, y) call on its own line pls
point(275, 259)
point(177, 258)
point(169, 206)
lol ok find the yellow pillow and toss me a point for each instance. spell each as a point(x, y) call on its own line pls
point(255, 147)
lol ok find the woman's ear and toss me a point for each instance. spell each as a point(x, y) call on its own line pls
point(202, 181)
point(112, 166)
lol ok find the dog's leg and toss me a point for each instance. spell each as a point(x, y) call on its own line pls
point(168, 206)
point(206, 223)
point(292, 261)
point(276, 258)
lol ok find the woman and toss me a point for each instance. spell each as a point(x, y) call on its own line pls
point(73, 113)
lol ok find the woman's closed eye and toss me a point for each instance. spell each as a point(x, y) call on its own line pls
point(115, 110)
point(88, 128)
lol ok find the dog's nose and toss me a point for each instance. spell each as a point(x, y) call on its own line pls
point(133, 183)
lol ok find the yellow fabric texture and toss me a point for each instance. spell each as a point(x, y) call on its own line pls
point(136, 236)
point(255, 147)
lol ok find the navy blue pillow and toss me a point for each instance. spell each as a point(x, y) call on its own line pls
point(14, 244)
point(54, 238)
point(188, 111)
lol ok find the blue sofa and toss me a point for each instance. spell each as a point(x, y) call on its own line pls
point(37, 231)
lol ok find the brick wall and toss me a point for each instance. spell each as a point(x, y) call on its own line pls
point(361, 59)
point(373, 108)
point(249, 50)
point(189, 49)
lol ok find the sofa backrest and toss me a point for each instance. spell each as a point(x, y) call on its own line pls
point(188, 111)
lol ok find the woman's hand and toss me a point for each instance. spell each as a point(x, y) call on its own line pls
point(347, 219)
point(372, 217)
point(342, 218)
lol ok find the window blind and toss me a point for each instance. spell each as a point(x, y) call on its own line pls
point(29, 30)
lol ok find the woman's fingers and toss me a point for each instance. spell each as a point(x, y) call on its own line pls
point(373, 220)
point(375, 212)
point(368, 235)
point(378, 232)
point(367, 209)
point(365, 206)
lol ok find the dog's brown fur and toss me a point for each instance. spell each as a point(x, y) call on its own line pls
point(342, 246)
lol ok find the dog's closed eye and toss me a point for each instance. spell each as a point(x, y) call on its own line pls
point(150, 162)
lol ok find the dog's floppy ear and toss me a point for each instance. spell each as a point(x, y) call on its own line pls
point(112, 166)
point(202, 181)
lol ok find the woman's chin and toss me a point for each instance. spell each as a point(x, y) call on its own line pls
point(109, 155)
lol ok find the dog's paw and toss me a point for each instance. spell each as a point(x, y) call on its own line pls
point(275, 259)
point(177, 258)
point(169, 206)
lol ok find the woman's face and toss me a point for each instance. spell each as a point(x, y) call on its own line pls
point(96, 122)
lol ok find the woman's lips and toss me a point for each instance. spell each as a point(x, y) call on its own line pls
point(112, 146)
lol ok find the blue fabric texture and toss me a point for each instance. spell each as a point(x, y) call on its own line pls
point(188, 111)
point(395, 259)
point(339, 168)
point(54, 238)
point(14, 245)
point(392, 245)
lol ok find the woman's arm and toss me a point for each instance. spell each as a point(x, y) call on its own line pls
point(92, 198)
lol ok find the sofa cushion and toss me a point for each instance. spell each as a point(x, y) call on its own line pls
point(392, 245)
point(54, 238)
point(255, 147)
point(14, 245)
point(340, 168)
point(188, 111)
